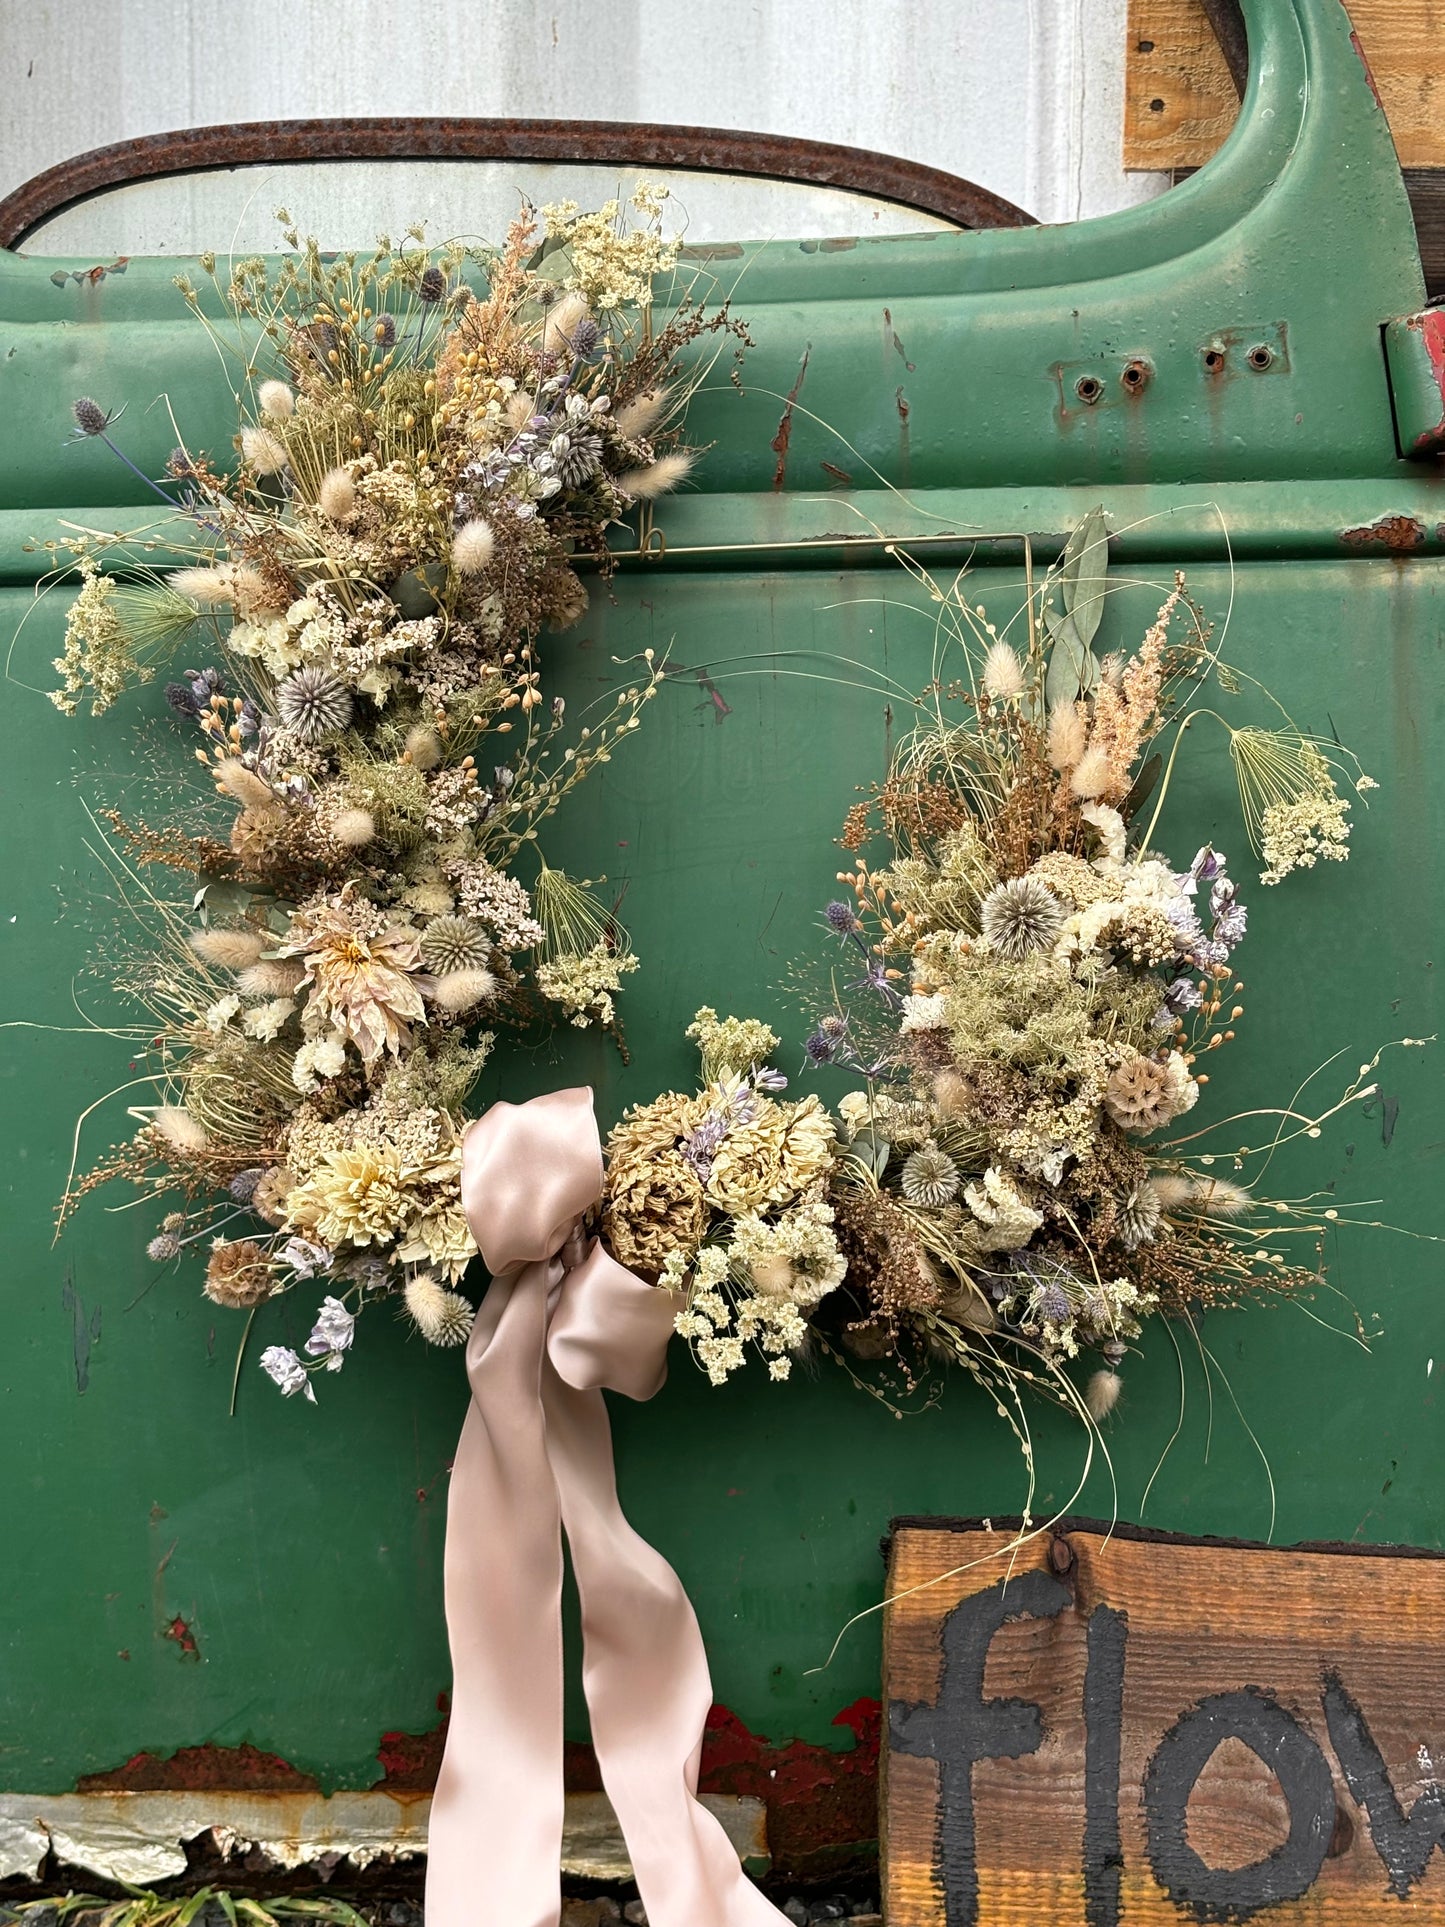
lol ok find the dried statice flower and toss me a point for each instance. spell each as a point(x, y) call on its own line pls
point(313, 703)
point(929, 1177)
point(285, 1370)
point(332, 1333)
point(1020, 916)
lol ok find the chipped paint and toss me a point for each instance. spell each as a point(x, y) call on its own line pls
point(84, 1331)
point(1397, 533)
point(780, 441)
point(141, 1837)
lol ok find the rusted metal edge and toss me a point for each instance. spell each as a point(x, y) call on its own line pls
point(706, 150)
point(140, 1837)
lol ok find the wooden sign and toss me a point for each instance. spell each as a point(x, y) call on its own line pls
point(1180, 103)
point(1115, 1729)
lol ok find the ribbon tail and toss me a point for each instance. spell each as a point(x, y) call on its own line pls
point(496, 1821)
point(648, 1689)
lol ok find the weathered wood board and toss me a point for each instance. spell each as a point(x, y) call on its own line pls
point(1113, 1729)
point(1179, 101)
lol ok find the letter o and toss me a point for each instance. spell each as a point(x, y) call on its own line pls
point(1236, 1893)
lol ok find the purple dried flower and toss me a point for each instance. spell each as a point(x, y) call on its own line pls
point(1051, 1302)
point(1183, 994)
point(243, 1186)
point(432, 286)
point(178, 462)
point(820, 1048)
point(769, 1080)
point(1207, 865)
point(843, 918)
point(384, 332)
point(1230, 928)
point(178, 695)
point(585, 337)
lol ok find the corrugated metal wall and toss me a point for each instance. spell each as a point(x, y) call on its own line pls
point(1022, 96)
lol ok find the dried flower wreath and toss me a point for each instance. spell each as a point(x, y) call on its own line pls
point(418, 467)
point(1031, 992)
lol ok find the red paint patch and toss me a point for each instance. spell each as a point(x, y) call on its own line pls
point(822, 1806)
point(181, 1633)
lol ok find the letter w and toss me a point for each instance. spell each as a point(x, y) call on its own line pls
point(1404, 1841)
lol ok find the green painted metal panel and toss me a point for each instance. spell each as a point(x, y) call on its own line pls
point(299, 1549)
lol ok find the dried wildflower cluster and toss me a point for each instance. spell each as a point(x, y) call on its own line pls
point(724, 1193)
point(419, 469)
point(1029, 995)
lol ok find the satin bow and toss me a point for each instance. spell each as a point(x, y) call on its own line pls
point(560, 1322)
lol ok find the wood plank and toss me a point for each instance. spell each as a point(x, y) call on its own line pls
point(1177, 1727)
point(1179, 101)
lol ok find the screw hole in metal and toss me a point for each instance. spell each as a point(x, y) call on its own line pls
point(1260, 357)
point(1213, 360)
point(1088, 388)
point(1135, 376)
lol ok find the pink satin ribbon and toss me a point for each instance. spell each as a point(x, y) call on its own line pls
point(536, 1455)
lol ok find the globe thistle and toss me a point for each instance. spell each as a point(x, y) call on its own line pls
point(1020, 916)
point(442, 1317)
point(843, 918)
point(1140, 1216)
point(313, 702)
point(930, 1177)
point(585, 337)
point(455, 943)
point(577, 451)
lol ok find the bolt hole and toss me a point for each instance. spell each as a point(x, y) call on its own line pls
point(1214, 359)
point(1088, 388)
point(1260, 357)
point(1156, 107)
point(1135, 374)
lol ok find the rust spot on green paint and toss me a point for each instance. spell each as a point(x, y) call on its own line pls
point(1397, 533)
point(196, 1768)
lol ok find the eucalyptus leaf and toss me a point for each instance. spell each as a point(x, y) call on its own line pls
point(1083, 574)
point(871, 1151)
point(222, 897)
point(1073, 667)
